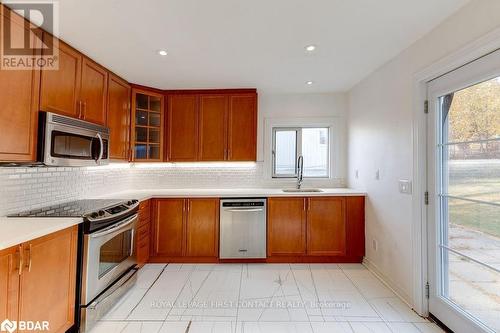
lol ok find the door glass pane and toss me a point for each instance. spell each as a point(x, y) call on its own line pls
point(141, 134)
point(154, 152)
point(155, 103)
point(285, 152)
point(469, 150)
point(141, 118)
point(154, 119)
point(114, 251)
point(474, 287)
point(315, 152)
point(154, 135)
point(142, 101)
point(140, 151)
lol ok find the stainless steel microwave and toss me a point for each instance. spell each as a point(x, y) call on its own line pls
point(65, 141)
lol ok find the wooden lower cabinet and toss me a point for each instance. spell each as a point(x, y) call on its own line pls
point(44, 290)
point(9, 283)
point(299, 229)
point(316, 229)
point(143, 239)
point(168, 227)
point(326, 226)
point(202, 228)
point(286, 225)
point(185, 230)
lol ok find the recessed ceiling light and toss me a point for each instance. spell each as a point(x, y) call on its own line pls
point(310, 48)
point(162, 52)
point(309, 83)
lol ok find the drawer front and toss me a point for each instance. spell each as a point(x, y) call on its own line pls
point(144, 206)
point(143, 220)
point(142, 232)
point(143, 250)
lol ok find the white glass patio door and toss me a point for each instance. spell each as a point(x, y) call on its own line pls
point(463, 148)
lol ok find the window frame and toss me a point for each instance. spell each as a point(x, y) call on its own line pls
point(298, 151)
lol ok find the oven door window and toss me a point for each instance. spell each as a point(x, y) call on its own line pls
point(69, 145)
point(115, 251)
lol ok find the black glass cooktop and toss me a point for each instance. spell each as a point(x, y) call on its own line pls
point(77, 208)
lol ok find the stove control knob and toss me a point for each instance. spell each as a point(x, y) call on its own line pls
point(94, 215)
point(101, 213)
point(130, 203)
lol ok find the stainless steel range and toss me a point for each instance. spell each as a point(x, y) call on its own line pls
point(107, 259)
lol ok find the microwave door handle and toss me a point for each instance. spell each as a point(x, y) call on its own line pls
point(102, 146)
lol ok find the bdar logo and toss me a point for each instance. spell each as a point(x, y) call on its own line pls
point(9, 326)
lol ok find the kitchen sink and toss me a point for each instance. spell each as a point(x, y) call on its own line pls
point(296, 190)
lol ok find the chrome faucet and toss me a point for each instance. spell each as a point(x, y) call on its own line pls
point(300, 171)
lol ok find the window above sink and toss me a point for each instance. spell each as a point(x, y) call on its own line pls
point(311, 143)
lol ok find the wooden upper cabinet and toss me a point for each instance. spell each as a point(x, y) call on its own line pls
point(182, 128)
point(78, 88)
point(60, 88)
point(93, 93)
point(118, 118)
point(326, 226)
point(168, 227)
point(242, 137)
point(286, 221)
point(147, 126)
point(47, 287)
point(213, 127)
point(9, 283)
point(202, 228)
point(19, 95)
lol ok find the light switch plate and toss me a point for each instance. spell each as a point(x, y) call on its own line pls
point(404, 186)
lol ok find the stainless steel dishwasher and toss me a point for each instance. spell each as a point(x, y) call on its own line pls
point(242, 228)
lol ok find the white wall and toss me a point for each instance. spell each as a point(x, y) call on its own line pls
point(380, 137)
point(309, 106)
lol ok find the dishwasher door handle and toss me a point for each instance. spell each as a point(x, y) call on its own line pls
point(244, 210)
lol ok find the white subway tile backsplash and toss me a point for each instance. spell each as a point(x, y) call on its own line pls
point(23, 188)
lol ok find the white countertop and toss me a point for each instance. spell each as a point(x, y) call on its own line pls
point(228, 193)
point(17, 230)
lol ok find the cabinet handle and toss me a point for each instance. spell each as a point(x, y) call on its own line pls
point(305, 204)
point(308, 204)
point(20, 262)
point(28, 263)
point(84, 110)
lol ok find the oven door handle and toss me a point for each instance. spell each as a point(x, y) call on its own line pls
point(115, 227)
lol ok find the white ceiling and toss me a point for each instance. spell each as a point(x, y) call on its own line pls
point(248, 43)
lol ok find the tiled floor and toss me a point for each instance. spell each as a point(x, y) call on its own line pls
point(258, 298)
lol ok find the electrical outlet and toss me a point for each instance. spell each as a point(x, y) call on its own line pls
point(404, 186)
point(356, 174)
point(374, 245)
point(377, 175)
